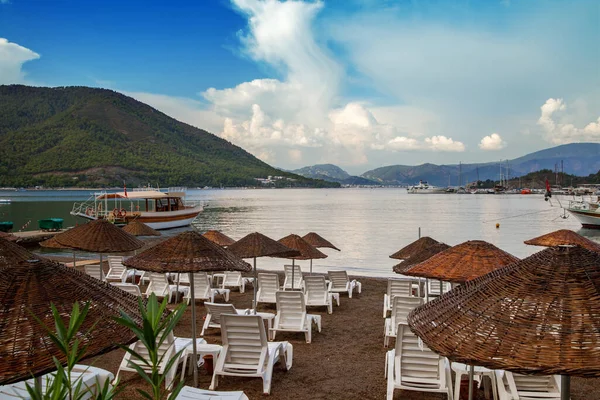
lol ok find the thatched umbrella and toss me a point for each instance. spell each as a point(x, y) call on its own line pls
point(463, 262)
point(564, 237)
point(137, 228)
point(99, 236)
point(307, 252)
point(11, 253)
point(187, 252)
point(417, 258)
point(315, 240)
point(219, 238)
point(539, 315)
point(256, 245)
point(414, 249)
point(28, 286)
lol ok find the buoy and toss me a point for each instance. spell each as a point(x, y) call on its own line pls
point(497, 225)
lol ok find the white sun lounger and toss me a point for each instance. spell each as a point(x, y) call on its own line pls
point(214, 311)
point(292, 317)
point(159, 285)
point(298, 282)
point(268, 285)
point(401, 307)
point(246, 351)
point(413, 366)
point(191, 393)
point(317, 293)
point(233, 279)
point(339, 283)
point(116, 269)
point(203, 290)
point(398, 287)
point(94, 271)
point(89, 376)
point(513, 386)
point(129, 288)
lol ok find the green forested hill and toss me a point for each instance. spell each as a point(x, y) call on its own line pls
point(79, 136)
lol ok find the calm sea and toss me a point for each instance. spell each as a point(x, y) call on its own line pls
point(366, 224)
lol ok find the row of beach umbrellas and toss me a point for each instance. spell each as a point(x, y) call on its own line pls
point(25, 285)
point(539, 315)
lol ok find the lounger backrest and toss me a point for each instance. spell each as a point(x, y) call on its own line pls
point(529, 385)
point(93, 271)
point(158, 285)
point(288, 276)
point(338, 279)
point(216, 310)
point(399, 287)
point(129, 288)
point(291, 310)
point(244, 343)
point(115, 261)
point(184, 278)
point(268, 285)
point(415, 360)
point(402, 306)
point(201, 285)
point(232, 278)
point(433, 286)
point(316, 290)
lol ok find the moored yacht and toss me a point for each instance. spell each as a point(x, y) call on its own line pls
point(424, 188)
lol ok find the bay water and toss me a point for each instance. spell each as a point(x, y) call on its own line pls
point(366, 224)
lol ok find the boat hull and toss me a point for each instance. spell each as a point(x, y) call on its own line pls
point(156, 220)
point(588, 219)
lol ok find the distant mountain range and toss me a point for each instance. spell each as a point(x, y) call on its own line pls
point(579, 159)
point(333, 173)
point(80, 136)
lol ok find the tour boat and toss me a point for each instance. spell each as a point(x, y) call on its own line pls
point(424, 188)
point(158, 210)
point(587, 212)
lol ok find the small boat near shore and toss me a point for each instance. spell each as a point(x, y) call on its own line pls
point(586, 211)
point(158, 210)
point(424, 188)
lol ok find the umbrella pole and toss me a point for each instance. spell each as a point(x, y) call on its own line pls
point(565, 387)
point(177, 288)
point(441, 288)
point(311, 267)
point(427, 290)
point(101, 269)
point(194, 350)
point(74, 262)
point(255, 285)
point(471, 372)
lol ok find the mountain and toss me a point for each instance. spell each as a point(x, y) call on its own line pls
point(333, 173)
point(79, 136)
point(579, 159)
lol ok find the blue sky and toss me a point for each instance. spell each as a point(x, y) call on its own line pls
point(360, 83)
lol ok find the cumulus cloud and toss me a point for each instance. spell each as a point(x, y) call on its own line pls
point(12, 58)
point(492, 142)
point(559, 130)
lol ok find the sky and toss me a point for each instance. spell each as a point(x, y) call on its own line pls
point(357, 83)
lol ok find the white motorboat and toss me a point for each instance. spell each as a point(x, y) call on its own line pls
point(159, 210)
point(587, 212)
point(424, 188)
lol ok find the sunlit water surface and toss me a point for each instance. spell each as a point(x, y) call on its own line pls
point(366, 224)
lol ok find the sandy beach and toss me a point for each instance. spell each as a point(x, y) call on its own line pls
point(344, 361)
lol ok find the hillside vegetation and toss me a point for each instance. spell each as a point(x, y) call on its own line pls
point(78, 136)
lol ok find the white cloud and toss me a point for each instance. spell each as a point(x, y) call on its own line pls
point(492, 142)
point(443, 143)
point(558, 129)
point(12, 58)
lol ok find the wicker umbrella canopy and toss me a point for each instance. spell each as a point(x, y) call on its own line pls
point(564, 237)
point(424, 255)
point(11, 253)
point(186, 252)
point(307, 252)
point(463, 262)
point(30, 286)
point(99, 236)
point(537, 316)
point(219, 238)
point(258, 245)
point(9, 236)
point(52, 243)
point(137, 228)
point(316, 240)
point(415, 248)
